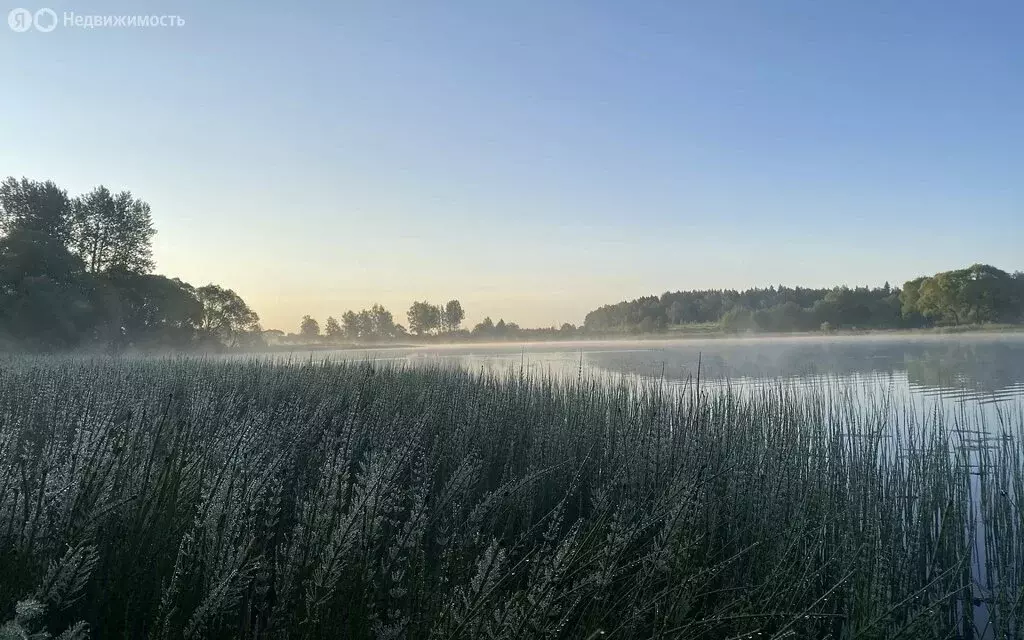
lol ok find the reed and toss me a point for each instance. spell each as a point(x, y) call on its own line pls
point(194, 498)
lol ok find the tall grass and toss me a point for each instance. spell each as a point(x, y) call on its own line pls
point(249, 499)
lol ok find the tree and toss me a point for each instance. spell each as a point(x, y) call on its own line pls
point(910, 296)
point(776, 308)
point(77, 271)
point(30, 253)
point(381, 322)
point(331, 328)
point(677, 312)
point(989, 294)
point(453, 315)
point(980, 293)
point(113, 232)
point(147, 310)
point(40, 207)
point(737, 320)
point(226, 317)
point(43, 304)
point(423, 317)
point(484, 328)
point(352, 325)
point(1018, 295)
point(375, 323)
point(309, 328)
point(273, 335)
point(941, 297)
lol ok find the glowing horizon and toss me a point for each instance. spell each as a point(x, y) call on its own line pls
point(536, 161)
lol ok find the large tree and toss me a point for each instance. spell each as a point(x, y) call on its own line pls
point(147, 310)
point(910, 296)
point(309, 328)
point(76, 271)
point(40, 207)
point(980, 293)
point(352, 325)
point(423, 317)
point(453, 315)
point(990, 294)
point(226, 316)
point(331, 328)
point(484, 327)
point(43, 301)
point(113, 232)
point(382, 323)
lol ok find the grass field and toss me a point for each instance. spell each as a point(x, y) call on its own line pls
point(244, 499)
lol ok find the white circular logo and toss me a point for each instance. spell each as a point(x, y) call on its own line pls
point(46, 20)
point(20, 20)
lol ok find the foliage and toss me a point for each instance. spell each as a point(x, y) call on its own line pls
point(190, 498)
point(370, 325)
point(43, 302)
point(112, 232)
point(147, 309)
point(497, 331)
point(74, 273)
point(378, 324)
point(225, 315)
point(423, 318)
point(452, 316)
point(484, 327)
point(29, 616)
point(331, 328)
point(309, 328)
point(37, 207)
point(979, 294)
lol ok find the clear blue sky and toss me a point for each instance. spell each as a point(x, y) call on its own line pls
point(535, 159)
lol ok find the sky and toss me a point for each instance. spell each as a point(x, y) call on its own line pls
point(534, 159)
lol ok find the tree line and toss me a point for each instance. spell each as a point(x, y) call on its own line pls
point(425, 321)
point(979, 294)
point(76, 272)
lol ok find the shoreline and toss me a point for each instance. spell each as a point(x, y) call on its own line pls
point(661, 337)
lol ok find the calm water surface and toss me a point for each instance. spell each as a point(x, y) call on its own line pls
point(971, 368)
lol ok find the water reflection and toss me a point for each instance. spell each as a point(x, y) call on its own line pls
point(977, 367)
point(983, 368)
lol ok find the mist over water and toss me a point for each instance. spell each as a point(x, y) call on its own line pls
point(971, 368)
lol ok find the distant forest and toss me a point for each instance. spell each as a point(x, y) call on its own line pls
point(979, 294)
point(76, 273)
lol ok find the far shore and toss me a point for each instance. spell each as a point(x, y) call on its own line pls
point(673, 335)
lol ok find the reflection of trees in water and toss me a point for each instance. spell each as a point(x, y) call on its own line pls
point(984, 365)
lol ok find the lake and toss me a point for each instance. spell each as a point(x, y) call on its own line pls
point(973, 381)
point(967, 368)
